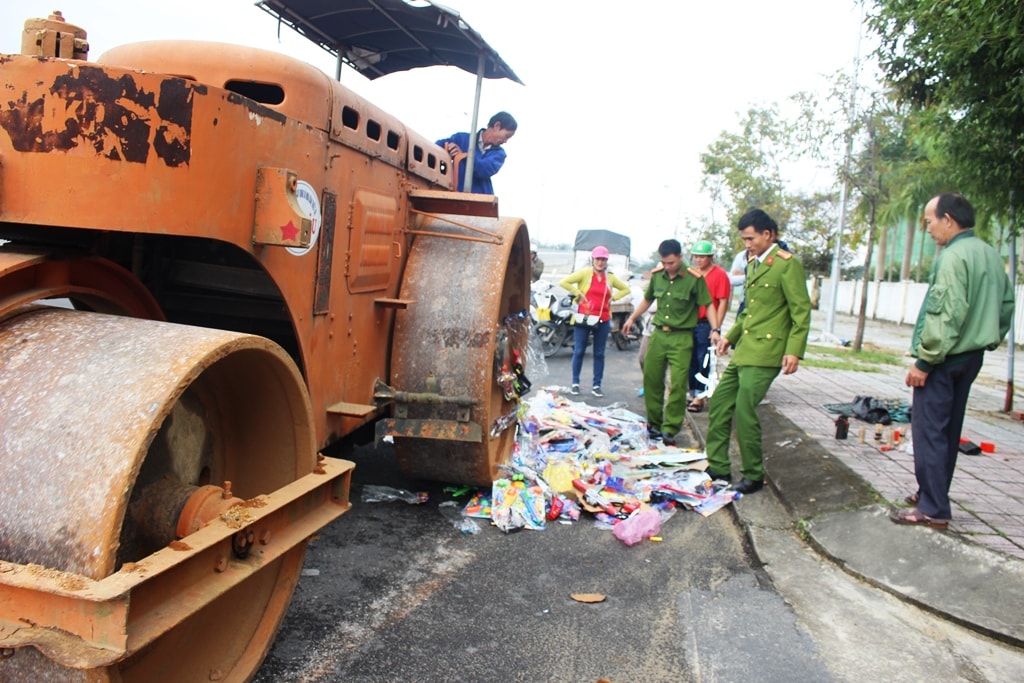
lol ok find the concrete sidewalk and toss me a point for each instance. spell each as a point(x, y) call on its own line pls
point(839, 491)
point(988, 489)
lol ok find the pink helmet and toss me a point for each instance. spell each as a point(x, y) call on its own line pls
point(599, 252)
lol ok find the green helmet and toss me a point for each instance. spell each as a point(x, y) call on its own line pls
point(702, 248)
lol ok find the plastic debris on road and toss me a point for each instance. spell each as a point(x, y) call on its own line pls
point(450, 510)
point(387, 494)
point(639, 526)
point(569, 456)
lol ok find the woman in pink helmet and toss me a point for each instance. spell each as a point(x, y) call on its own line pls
point(594, 289)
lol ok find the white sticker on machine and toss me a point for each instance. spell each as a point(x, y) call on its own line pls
point(309, 202)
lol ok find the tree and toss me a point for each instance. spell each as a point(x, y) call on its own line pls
point(745, 169)
point(962, 61)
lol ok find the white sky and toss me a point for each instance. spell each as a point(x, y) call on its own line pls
point(619, 102)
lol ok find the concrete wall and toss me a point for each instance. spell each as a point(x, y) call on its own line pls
point(897, 302)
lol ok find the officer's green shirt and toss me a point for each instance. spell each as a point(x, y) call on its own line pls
point(679, 298)
point(968, 304)
point(777, 317)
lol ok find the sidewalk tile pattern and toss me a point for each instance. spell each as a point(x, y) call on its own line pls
point(988, 489)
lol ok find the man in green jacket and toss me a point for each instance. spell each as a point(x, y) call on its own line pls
point(770, 334)
point(967, 310)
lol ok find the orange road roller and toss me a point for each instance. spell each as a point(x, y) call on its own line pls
point(215, 263)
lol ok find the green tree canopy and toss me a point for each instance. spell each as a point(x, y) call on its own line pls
point(963, 62)
point(744, 169)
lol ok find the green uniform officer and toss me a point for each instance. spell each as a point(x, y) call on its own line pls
point(770, 334)
point(680, 293)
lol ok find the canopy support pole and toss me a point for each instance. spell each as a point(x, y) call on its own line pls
point(471, 153)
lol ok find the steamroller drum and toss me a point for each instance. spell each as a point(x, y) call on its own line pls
point(109, 425)
point(452, 335)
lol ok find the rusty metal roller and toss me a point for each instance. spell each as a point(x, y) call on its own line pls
point(107, 426)
point(450, 339)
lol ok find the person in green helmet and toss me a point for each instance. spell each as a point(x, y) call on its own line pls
point(720, 289)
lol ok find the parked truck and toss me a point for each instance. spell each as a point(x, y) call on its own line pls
point(218, 262)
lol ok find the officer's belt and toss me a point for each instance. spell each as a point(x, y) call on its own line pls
point(666, 328)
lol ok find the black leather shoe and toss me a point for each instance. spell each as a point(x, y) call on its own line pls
point(668, 440)
point(719, 477)
point(746, 486)
point(653, 434)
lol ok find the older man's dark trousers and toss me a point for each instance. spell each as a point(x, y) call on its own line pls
point(936, 423)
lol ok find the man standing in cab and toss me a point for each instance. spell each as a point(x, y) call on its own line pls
point(490, 153)
point(769, 335)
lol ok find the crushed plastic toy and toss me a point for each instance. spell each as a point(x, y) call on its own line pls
point(568, 456)
point(479, 505)
point(517, 506)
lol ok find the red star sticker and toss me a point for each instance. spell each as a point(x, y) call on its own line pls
point(289, 232)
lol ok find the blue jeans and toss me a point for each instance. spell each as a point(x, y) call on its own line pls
point(701, 342)
point(581, 335)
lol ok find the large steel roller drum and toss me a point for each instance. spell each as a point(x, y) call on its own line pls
point(108, 427)
point(453, 333)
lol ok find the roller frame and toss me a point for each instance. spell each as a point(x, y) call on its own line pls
point(101, 623)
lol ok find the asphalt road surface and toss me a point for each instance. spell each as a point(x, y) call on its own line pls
point(393, 592)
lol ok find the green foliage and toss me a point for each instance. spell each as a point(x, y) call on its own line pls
point(920, 271)
point(961, 64)
point(743, 170)
point(809, 232)
point(951, 117)
point(838, 364)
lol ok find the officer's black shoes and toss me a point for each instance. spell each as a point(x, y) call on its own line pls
point(746, 486)
point(719, 477)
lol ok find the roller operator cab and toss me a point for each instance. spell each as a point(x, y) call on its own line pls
point(260, 264)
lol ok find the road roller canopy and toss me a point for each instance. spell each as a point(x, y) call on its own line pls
point(380, 37)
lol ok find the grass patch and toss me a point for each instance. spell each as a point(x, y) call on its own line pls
point(841, 358)
point(830, 364)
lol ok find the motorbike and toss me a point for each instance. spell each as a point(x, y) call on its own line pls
point(621, 336)
point(552, 319)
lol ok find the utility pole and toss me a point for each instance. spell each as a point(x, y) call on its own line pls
point(1008, 403)
point(837, 251)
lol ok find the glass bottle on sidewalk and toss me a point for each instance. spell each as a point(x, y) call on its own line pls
point(842, 427)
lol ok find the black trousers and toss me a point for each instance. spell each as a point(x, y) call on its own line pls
point(937, 420)
point(701, 342)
